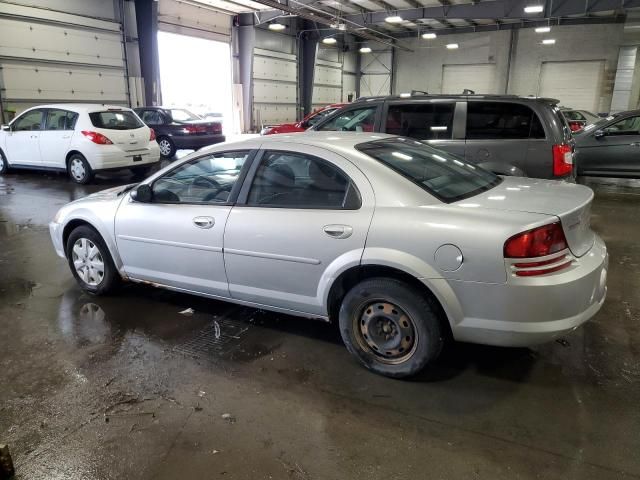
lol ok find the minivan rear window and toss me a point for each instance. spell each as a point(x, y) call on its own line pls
point(116, 120)
point(443, 175)
point(502, 120)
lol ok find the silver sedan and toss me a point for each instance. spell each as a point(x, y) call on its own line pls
point(402, 244)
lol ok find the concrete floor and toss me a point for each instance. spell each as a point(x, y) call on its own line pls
point(127, 387)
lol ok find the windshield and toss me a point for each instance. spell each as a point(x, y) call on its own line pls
point(600, 123)
point(116, 120)
point(443, 175)
point(182, 115)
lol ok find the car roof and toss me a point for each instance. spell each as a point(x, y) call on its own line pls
point(81, 107)
point(484, 96)
point(329, 140)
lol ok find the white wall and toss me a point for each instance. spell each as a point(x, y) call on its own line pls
point(422, 69)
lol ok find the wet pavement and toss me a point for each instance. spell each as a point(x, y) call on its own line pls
point(128, 387)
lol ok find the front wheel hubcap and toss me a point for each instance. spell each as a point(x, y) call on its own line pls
point(88, 261)
point(165, 147)
point(387, 331)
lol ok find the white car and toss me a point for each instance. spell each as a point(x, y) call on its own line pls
point(81, 139)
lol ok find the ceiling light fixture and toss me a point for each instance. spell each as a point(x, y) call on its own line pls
point(276, 26)
point(329, 40)
point(549, 41)
point(452, 46)
point(365, 50)
point(394, 19)
point(534, 9)
point(543, 29)
point(429, 36)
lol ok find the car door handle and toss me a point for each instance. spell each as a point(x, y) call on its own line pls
point(204, 222)
point(338, 231)
point(66, 136)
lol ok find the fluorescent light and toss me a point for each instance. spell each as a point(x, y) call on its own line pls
point(276, 26)
point(405, 95)
point(452, 46)
point(543, 29)
point(329, 40)
point(549, 41)
point(394, 19)
point(534, 9)
point(429, 36)
point(365, 50)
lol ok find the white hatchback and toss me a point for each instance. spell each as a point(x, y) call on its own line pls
point(80, 139)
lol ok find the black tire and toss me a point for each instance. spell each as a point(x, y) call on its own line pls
point(110, 278)
point(79, 169)
point(167, 147)
point(376, 304)
point(4, 165)
point(141, 172)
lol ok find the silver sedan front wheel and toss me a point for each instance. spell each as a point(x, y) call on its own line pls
point(88, 262)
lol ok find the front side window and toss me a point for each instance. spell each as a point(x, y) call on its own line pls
point(424, 121)
point(295, 180)
point(116, 120)
point(501, 120)
point(29, 121)
point(320, 116)
point(355, 120)
point(443, 175)
point(627, 126)
point(182, 115)
point(206, 180)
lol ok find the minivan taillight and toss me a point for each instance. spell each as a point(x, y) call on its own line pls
point(152, 134)
point(562, 160)
point(97, 137)
point(539, 242)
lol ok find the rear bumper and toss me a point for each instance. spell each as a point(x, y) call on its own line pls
point(112, 157)
point(532, 310)
point(197, 141)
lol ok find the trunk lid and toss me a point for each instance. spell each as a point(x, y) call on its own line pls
point(570, 202)
point(201, 127)
point(128, 140)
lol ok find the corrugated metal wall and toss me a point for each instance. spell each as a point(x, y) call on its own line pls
point(196, 21)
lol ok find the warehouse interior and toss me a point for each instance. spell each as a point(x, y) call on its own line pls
point(159, 384)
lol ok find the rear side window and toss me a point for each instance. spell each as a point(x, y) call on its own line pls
point(502, 120)
point(61, 120)
point(115, 120)
point(424, 121)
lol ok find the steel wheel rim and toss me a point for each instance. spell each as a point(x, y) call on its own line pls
point(77, 169)
point(3, 164)
point(88, 261)
point(386, 331)
point(165, 147)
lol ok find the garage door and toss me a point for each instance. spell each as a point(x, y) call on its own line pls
point(376, 74)
point(481, 78)
point(575, 84)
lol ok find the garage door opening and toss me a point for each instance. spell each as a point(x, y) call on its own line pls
point(195, 73)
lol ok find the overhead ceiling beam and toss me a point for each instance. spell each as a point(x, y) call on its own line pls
point(514, 26)
point(315, 14)
point(491, 9)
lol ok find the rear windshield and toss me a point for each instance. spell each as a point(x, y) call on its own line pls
point(182, 115)
point(116, 120)
point(443, 175)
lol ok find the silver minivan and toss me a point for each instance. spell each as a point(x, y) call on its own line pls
point(507, 134)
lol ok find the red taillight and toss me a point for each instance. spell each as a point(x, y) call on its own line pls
point(195, 129)
point(97, 137)
point(538, 242)
point(152, 134)
point(562, 160)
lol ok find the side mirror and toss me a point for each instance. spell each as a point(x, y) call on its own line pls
point(142, 193)
point(6, 128)
point(599, 134)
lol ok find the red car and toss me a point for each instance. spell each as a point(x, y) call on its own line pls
point(305, 123)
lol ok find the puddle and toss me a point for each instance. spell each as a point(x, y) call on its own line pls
point(6, 189)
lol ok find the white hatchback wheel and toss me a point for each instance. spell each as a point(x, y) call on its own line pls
point(77, 169)
point(3, 164)
point(88, 261)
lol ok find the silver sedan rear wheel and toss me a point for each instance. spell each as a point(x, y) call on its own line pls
point(88, 262)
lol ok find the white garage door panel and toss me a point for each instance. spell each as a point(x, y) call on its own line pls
point(274, 92)
point(274, 87)
point(481, 78)
point(266, 68)
point(184, 18)
point(22, 39)
point(575, 84)
point(323, 96)
point(329, 76)
point(43, 82)
point(273, 114)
